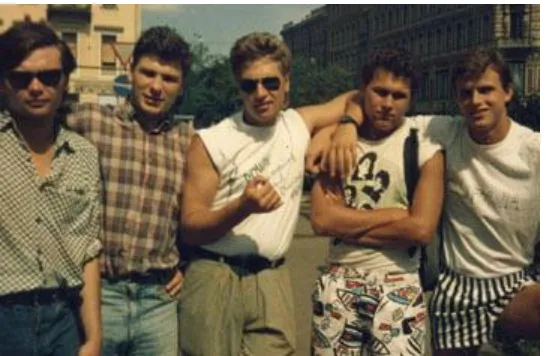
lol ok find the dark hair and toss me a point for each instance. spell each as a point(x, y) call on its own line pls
point(21, 39)
point(165, 43)
point(259, 45)
point(474, 62)
point(397, 61)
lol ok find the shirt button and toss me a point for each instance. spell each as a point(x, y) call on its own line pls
point(38, 220)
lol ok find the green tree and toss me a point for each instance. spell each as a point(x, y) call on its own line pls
point(311, 84)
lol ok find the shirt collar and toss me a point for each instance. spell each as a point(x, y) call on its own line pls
point(62, 139)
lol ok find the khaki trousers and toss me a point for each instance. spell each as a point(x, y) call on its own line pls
point(226, 311)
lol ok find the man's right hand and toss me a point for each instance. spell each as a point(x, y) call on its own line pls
point(260, 196)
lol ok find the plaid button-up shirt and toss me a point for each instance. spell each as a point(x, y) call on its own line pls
point(49, 226)
point(142, 174)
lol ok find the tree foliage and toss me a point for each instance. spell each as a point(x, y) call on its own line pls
point(311, 84)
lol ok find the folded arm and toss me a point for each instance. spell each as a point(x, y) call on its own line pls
point(419, 227)
point(330, 216)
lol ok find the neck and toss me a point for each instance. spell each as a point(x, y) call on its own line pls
point(39, 134)
point(249, 120)
point(368, 132)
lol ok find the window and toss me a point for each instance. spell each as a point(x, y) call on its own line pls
point(438, 40)
point(108, 56)
point(487, 30)
point(516, 21)
point(71, 40)
point(430, 42)
point(442, 78)
point(448, 38)
point(424, 92)
point(460, 35)
point(517, 76)
point(470, 32)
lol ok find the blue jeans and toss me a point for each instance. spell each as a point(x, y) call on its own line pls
point(35, 330)
point(138, 319)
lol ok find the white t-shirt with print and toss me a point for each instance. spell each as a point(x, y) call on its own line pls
point(239, 152)
point(492, 204)
point(379, 182)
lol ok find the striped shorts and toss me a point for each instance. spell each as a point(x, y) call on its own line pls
point(464, 309)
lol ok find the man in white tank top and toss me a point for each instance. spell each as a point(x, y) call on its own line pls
point(241, 201)
point(490, 228)
point(370, 299)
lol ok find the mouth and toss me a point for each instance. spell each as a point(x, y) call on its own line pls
point(153, 101)
point(478, 114)
point(37, 103)
point(263, 107)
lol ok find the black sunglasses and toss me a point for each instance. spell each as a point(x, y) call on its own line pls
point(21, 80)
point(269, 83)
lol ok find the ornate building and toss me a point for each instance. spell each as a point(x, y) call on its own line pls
point(436, 34)
point(101, 38)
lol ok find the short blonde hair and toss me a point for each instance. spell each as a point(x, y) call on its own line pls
point(258, 45)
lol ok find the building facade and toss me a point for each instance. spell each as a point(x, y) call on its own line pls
point(436, 34)
point(101, 38)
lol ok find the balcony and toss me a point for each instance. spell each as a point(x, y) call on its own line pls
point(69, 13)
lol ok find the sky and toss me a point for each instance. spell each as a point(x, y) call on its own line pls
point(219, 26)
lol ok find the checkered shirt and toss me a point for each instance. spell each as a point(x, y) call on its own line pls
point(49, 226)
point(142, 174)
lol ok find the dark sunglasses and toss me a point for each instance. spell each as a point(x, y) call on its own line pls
point(21, 80)
point(269, 83)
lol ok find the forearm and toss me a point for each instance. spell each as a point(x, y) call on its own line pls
point(90, 310)
point(342, 221)
point(204, 226)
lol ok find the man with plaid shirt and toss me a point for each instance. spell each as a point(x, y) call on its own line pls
point(49, 205)
point(142, 152)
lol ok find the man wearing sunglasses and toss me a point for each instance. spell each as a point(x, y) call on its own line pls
point(49, 205)
point(240, 205)
point(142, 154)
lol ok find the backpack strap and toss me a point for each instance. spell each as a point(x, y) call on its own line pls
point(411, 171)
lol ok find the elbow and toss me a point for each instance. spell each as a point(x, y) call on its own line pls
point(423, 234)
point(189, 234)
point(319, 223)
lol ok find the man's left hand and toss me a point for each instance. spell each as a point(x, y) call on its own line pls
point(175, 284)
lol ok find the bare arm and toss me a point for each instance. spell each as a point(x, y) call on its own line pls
point(90, 311)
point(317, 152)
point(419, 227)
point(200, 224)
point(330, 216)
point(341, 157)
point(321, 115)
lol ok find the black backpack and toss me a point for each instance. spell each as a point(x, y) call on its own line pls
point(430, 262)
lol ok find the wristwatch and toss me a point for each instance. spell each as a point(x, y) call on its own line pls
point(346, 119)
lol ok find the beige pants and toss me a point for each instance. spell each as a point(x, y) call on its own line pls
point(223, 312)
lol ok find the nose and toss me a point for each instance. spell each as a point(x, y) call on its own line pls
point(387, 103)
point(475, 97)
point(35, 86)
point(261, 91)
point(156, 84)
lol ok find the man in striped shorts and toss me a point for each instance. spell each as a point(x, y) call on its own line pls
point(491, 215)
point(490, 280)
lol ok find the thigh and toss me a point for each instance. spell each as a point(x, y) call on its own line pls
point(62, 336)
point(342, 312)
point(399, 324)
point(269, 310)
point(521, 317)
point(211, 315)
point(155, 329)
point(115, 318)
point(17, 325)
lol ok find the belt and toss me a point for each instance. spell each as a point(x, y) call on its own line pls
point(41, 297)
point(152, 276)
point(251, 263)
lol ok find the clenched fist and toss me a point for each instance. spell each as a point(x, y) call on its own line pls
point(260, 196)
